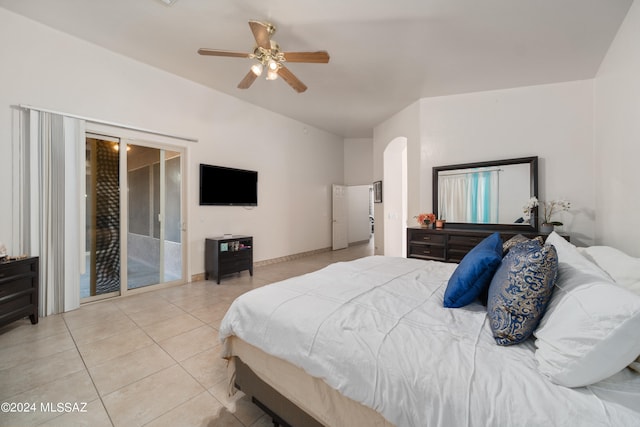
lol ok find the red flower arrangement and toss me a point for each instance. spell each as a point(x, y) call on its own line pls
point(426, 218)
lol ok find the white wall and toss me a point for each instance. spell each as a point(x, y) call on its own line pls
point(358, 161)
point(46, 68)
point(554, 122)
point(617, 139)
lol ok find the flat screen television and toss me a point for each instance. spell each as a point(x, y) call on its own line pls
point(221, 186)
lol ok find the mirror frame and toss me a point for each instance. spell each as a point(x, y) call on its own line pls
point(533, 190)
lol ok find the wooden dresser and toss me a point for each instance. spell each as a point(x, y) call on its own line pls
point(226, 255)
point(19, 290)
point(449, 244)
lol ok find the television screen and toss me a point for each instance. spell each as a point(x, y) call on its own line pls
point(228, 186)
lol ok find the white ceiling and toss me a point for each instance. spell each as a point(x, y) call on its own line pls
point(384, 54)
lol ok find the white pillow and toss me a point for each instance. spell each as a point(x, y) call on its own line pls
point(591, 329)
point(623, 269)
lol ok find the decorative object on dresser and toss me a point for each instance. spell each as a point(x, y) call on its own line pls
point(451, 244)
point(226, 255)
point(19, 281)
point(425, 220)
point(548, 209)
point(486, 195)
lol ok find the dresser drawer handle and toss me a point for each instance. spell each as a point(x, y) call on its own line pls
point(426, 238)
point(426, 252)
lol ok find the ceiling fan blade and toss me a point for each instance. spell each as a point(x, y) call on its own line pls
point(214, 52)
point(320, 57)
point(291, 79)
point(247, 81)
point(262, 33)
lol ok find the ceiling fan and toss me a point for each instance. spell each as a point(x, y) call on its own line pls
point(268, 54)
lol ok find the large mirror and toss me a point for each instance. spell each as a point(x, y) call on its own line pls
point(488, 195)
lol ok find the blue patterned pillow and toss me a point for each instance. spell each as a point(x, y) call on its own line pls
point(474, 272)
point(520, 291)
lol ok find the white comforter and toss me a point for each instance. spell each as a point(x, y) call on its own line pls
point(375, 330)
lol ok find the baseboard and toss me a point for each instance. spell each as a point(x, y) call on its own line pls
point(197, 277)
point(290, 257)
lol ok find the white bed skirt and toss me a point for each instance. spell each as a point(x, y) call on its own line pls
point(310, 394)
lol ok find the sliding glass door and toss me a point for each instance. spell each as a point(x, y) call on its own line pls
point(154, 241)
point(140, 229)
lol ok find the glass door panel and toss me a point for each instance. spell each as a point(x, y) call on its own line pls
point(154, 247)
point(101, 276)
point(143, 245)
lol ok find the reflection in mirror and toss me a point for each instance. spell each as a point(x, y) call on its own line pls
point(486, 194)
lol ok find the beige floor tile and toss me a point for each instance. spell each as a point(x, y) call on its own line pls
point(93, 415)
point(156, 314)
point(27, 376)
point(220, 391)
point(168, 328)
point(226, 419)
point(151, 397)
point(213, 313)
point(177, 292)
point(190, 343)
point(22, 331)
point(247, 412)
point(208, 368)
point(129, 368)
point(196, 302)
point(97, 352)
point(202, 410)
point(95, 314)
point(141, 302)
point(38, 348)
point(102, 330)
point(238, 404)
point(72, 389)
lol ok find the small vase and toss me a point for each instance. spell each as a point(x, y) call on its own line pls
point(440, 223)
point(546, 228)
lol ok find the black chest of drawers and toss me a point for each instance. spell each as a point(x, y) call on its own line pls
point(19, 290)
point(226, 255)
point(451, 245)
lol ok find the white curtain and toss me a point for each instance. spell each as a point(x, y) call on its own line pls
point(51, 197)
point(469, 197)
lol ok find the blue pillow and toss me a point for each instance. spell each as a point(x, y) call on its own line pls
point(520, 291)
point(474, 272)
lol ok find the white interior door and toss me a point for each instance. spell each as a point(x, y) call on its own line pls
point(340, 238)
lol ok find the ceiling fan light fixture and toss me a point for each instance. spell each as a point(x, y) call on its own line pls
point(257, 69)
point(273, 65)
point(168, 2)
point(272, 74)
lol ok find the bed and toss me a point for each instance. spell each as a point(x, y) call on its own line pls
point(369, 343)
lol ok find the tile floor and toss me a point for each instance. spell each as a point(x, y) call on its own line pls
point(145, 360)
